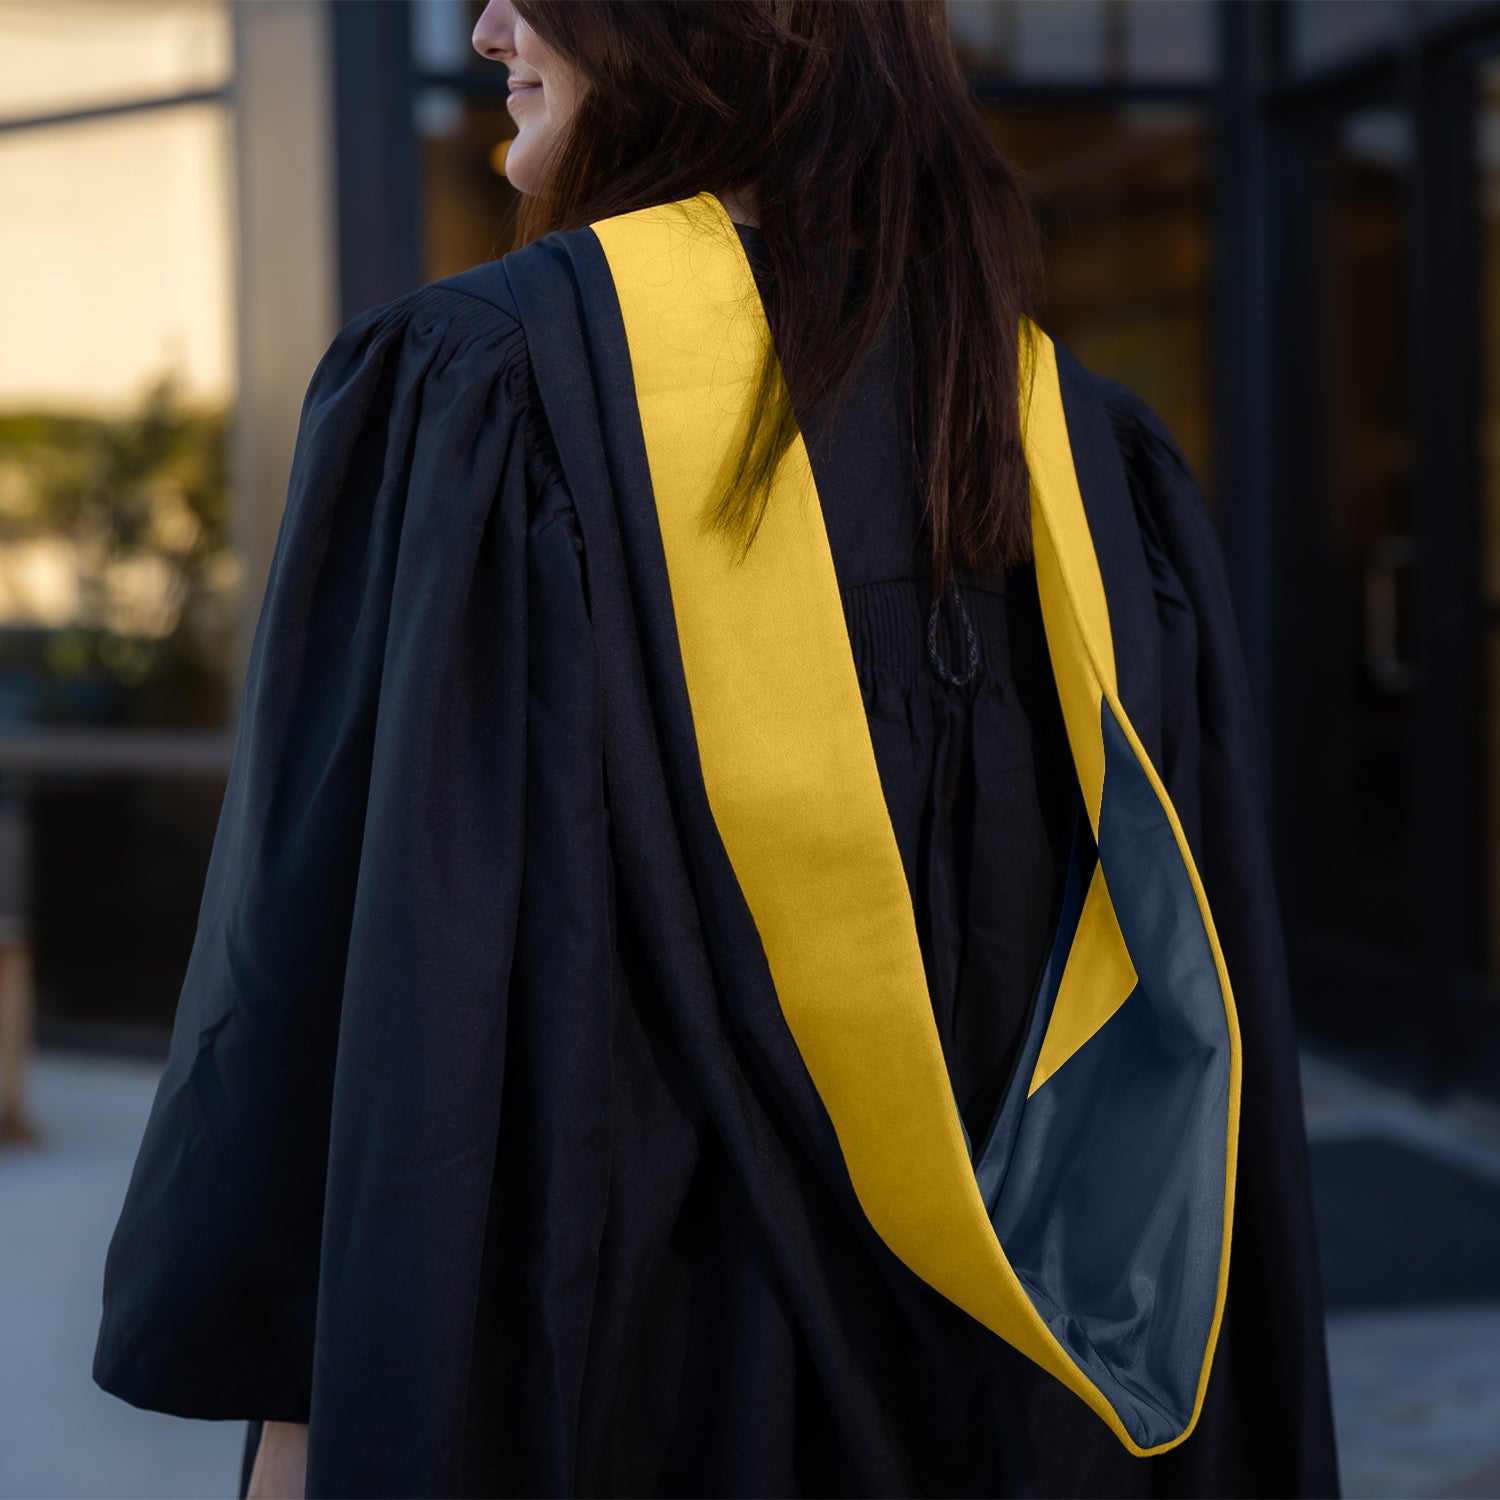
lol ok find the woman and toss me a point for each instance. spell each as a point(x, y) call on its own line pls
point(681, 1002)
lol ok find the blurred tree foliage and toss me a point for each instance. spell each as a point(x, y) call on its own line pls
point(118, 581)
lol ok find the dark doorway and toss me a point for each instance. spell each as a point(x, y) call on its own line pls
point(1384, 748)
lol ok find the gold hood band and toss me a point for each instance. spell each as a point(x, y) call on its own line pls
point(793, 786)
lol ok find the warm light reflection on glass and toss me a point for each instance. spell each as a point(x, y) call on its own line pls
point(1123, 195)
point(115, 259)
point(118, 581)
point(58, 55)
point(469, 203)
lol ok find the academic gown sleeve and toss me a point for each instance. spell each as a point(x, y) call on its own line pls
point(316, 1169)
point(1266, 1428)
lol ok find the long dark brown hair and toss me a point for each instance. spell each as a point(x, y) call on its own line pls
point(848, 122)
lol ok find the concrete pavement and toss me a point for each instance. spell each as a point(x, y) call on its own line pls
point(1416, 1389)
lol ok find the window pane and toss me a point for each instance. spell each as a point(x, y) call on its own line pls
point(1167, 39)
point(1080, 40)
point(117, 578)
point(469, 203)
point(1359, 696)
point(1076, 40)
point(74, 54)
point(440, 35)
point(1123, 196)
point(1435, 11)
point(1321, 33)
point(1487, 152)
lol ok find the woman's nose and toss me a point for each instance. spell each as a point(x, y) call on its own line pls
point(495, 30)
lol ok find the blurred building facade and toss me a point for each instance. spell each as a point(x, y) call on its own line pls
point(1278, 220)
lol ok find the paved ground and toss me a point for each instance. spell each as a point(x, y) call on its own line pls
point(60, 1435)
point(1417, 1390)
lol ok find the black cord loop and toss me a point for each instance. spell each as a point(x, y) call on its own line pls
point(934, 659)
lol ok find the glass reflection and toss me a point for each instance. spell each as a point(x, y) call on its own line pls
point(1124, 201)
point(118, 582)
point(66, 55)
point(1360, 694)
point(469, 205)
point(440, 35)
point(1321, 33)
point(1487, 154)
point(1085, 40)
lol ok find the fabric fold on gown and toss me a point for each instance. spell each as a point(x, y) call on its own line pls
point(459, 1154)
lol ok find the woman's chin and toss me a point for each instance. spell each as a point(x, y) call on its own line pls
point(519, 167)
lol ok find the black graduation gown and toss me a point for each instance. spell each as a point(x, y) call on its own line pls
point(464, 1151)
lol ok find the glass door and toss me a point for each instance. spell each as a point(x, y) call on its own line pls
point(1350, 687)
point(1479, 982)
point(1388, 571)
